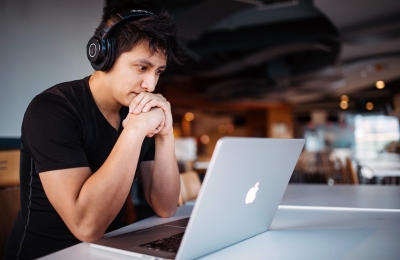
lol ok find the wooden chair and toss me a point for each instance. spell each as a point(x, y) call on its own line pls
point(339, 171)
point(333, 169)
point(9, 193)
point(9, 168)
point(348, 172)
point(9, 208)
point(343, 171)
point(190, 187)
point(328, 168)
point(352, 175)
point(129, 216)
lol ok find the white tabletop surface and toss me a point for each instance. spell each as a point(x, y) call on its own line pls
point(313, 222)
point(359, 196)
point(322, 234)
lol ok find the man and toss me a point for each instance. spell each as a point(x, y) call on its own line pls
point(83, 142)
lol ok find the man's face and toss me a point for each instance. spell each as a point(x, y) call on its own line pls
point(134, 72)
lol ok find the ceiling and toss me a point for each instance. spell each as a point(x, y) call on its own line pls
point(259, 53)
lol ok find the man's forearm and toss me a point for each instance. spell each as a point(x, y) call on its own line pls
point(103, 194)
point(165, 185)
point(89, 202)
point(105, 191)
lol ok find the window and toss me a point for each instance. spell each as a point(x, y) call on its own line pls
point(373, 133)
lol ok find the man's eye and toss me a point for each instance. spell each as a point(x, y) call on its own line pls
point(142, 68)
point(160, 72)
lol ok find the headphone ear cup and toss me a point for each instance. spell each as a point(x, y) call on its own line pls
point(96, 53)
point(110, 55)
point(100, 50)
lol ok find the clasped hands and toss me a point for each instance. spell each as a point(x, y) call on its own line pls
point(153, 110)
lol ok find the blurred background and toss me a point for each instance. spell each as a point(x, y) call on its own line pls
point(327, 71)
point(324, 70)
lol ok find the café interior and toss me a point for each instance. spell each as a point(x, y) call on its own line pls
point(326, 71)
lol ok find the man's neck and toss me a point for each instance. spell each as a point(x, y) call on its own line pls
point(108, 106)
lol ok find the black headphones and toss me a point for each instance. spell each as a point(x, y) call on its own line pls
point(99, 49)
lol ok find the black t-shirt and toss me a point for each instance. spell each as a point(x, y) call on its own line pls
point(62, 128)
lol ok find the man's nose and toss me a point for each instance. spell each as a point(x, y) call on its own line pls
point(149, 83)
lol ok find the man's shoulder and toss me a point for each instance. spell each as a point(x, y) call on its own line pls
point(71, 91)
point(75, 87)
point(67, 94)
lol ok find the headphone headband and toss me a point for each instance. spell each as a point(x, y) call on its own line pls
point(117, 18)
point(99, 50)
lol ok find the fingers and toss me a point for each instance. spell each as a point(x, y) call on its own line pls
point(150, 104)
point(145, 101)
point(157, 130)
point(154, 121)
point(159, 127)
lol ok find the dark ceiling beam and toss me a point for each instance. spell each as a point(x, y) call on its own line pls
point(198, 19)
point(261, 57)
point(314, 43)
point(263, 36)
point(373, 31)
point(366, 58)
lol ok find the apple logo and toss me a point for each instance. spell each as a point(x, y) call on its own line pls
point(251, 194)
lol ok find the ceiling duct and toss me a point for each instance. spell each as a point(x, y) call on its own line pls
point(267, 4)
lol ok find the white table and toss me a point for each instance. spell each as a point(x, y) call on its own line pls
point(322, 234)
point(358, 224)
point(360, 196)
point(381, 166)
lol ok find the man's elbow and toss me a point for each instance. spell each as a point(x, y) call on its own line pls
point(87, 233)
point(166, 213)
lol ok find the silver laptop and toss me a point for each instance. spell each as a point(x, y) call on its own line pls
point(239, 197)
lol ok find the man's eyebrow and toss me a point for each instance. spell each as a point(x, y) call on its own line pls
point(148, 63)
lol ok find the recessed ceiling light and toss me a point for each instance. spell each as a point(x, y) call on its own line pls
point(344, 98)
point(380, 84)
point(189, 116)
point(369, 106)
point(344, 105)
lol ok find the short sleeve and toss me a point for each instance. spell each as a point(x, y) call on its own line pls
point(52, 133)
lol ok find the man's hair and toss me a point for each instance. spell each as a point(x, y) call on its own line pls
point(159, 30)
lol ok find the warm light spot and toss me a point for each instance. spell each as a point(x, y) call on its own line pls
point(344, 98)
point(221, 129)
point(380, 84)
point(369, 106)
point(230, 128)
point(204, 139)
point(177, 132)
point(189, 116)
point(344, 105)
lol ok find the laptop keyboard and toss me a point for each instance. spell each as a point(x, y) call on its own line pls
point(169, 244)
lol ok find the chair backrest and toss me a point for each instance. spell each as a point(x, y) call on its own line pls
point(9, 207)
point(327, 166)
point(190, 186)
point(351, 172)
point(9, 168)
point(343, 171)
point(9, 193)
